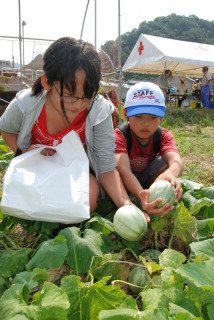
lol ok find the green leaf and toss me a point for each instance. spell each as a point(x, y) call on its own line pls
point(210, 310)
point(25, 277)
point(32, 279)
point(118, 314)
point(82, 247)
point(191, 185)
point(155, 304)
point(75, 291)
point(51, 303)
point(185, 226)
point(170, 258)
point(205, 229)
point(50, 254)
point(101, 225)
point(106, 208)
point(13, 262)
point(205, 247)
point(110, 265)
point(87, 302)
point(100, 298)
point(201, 273)
point(208, 192)
point(181, 292)
point(175, 310)
point(202, 207)
point(158, 225)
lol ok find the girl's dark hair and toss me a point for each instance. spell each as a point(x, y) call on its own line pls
point(63, 58)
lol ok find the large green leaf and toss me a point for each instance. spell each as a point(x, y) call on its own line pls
point(155, 304)
point(51, 303)
point(12, 262)
point(50, 254)
point(32, 279)
point(171, 259)
point(205, 247)
point(205, 229)
point(181, 293)
point(191, 185)
point(100, 297)
point(75, 290)
point(178, 312)
point(201, 207)
point(210, 310)
point(87, 301)
point(201, 273)
point(208, 192)
point(82, 247)
point(185, 226)
point(110, 265)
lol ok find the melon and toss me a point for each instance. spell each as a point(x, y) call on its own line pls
point(139, 277)
point(162, 189)
point(130, 223)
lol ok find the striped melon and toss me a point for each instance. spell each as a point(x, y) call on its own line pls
point(139, 277)
point(130, 223)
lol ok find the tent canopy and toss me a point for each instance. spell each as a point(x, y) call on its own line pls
point(153, 55)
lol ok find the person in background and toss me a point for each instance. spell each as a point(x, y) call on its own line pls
point(66, 98)
point(182, 90)
point(165, 83)
point(146, 161)
point(196, 90)
point(196, 85)
point(206, 88)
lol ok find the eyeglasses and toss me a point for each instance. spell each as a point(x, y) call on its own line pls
point(72, 99)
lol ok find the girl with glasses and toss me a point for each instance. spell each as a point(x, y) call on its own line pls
point(66, 98)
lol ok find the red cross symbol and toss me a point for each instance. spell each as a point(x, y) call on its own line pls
point(141, 48)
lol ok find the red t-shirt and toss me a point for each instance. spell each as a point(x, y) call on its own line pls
point(141, 155)
point(40, 133)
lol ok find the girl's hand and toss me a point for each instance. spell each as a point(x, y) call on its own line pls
point(45, 152)
point(132, 204)
point(48, 152)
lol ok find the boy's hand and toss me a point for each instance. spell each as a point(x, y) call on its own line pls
point(149, 207)
point(174, 182)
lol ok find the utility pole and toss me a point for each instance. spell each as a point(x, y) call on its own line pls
point(20, 44)
point(23, 39)
point(119, 57)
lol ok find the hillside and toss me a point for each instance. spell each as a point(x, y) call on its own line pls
point(173, 27)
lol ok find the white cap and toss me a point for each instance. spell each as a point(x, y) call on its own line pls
point(145, 98)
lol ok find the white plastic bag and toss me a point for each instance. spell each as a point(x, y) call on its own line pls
point(49, 188)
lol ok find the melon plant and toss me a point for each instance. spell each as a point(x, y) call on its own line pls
point(139, 277)
point(162, 189)
point(130, 223)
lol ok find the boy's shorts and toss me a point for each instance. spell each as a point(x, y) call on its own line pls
point(156, 165)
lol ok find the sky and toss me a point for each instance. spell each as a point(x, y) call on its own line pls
point(49, 19)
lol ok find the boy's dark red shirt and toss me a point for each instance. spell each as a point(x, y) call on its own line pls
point(142, 155)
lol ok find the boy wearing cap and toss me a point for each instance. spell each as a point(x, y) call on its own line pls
point(138, 164)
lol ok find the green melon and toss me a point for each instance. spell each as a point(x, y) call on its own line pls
point(162, 189)
point(139, 277)
point(130, 223)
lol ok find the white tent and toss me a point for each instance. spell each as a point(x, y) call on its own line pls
point(153, 55)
